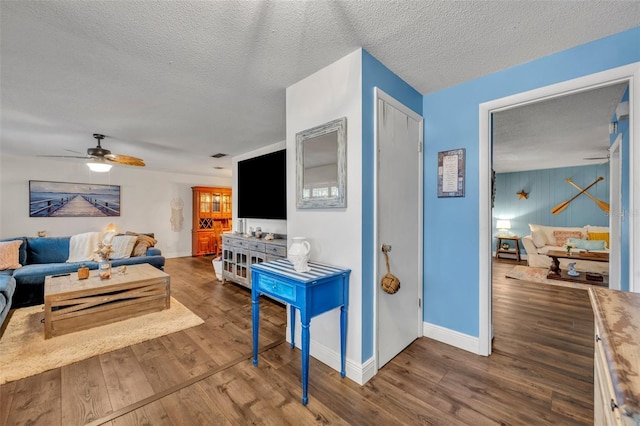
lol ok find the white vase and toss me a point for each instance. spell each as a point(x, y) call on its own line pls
point(298, 254)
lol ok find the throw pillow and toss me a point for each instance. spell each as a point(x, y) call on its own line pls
point(541, 231)
point(599, 236)
point(586, 244)
point(142, 244)
point(593, 245)
point(562, 236)
point(122, 246)
point(538, 239)
point(9, 254)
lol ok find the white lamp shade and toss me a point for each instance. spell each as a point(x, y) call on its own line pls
point(99, 167)
point(503, 224)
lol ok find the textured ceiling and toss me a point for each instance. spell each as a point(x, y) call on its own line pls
point(564, 131)
point(174, 82)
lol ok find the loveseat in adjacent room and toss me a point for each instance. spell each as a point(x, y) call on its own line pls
point(543, 239)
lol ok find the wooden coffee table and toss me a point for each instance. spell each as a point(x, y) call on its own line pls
point(71, 304)
point(556, 273)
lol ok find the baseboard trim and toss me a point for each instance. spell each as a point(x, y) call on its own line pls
point(359, 373)
point(369, 370)
point(451, 337)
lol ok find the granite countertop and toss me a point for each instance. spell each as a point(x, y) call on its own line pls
point(617, 316)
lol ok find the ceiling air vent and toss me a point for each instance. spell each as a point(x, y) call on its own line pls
point(219, 155)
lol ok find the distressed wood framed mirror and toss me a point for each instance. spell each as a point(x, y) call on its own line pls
point(321, 166)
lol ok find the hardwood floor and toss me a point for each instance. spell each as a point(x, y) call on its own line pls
point(540, 372)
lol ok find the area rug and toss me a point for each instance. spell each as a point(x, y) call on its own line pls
point(539, 275)
point(24, 351)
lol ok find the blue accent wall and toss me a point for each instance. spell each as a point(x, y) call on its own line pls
point(451, 226)
point(547, 188)
point(374, 74)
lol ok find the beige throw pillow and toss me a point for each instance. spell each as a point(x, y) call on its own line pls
point(10, 255)
point(122, 246)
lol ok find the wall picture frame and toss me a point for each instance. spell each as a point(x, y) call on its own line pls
point(67, 199)
point(451, 173)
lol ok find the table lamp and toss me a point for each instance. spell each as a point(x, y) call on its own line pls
point(503, 226)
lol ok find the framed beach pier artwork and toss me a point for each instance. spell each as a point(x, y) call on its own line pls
point(65, 199)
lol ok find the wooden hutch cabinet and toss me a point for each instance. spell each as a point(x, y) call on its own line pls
point(211, 216)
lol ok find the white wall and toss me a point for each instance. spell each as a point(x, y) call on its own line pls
point(335, 234)
point(145, 200)
point(267, 225)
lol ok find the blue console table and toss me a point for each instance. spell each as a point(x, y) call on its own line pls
point(320, 290)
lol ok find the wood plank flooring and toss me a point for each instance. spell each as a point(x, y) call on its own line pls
point(540, 372)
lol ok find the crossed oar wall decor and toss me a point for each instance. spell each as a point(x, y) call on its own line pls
point(603, 205)
point(562, 206)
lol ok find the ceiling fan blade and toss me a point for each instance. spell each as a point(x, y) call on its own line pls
point(124, 159)
point(75, 152)
point(596, 158)
point(65, 156)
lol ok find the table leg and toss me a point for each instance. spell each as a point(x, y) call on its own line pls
point(343, 339)
point(555, 266)
point(48, 329)
point(305, 360)
point(255, 317)
point(292, 324)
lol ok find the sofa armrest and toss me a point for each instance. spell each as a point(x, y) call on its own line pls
point(154, 251)
point(529, 246)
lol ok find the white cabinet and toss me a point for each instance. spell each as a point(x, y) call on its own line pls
point(616, 378)
point(240, 252)
point(606, 407)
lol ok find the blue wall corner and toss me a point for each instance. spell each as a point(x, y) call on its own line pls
point(374, 74)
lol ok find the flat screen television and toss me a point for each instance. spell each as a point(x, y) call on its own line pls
point(262, 187)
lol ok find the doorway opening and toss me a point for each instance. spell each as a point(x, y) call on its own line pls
point(629, 74)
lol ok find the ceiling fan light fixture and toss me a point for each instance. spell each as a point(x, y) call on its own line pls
point(98, 166)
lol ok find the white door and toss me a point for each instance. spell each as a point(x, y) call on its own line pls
point(615, 212)
point(399, 225)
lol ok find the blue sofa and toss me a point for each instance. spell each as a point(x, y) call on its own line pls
point(7, 288)
point(44, 256)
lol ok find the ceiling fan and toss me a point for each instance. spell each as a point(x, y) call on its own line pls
point(606, 157)
point(102, 159)
point(596, 158)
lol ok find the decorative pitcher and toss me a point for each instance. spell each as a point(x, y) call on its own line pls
point(298, 254)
